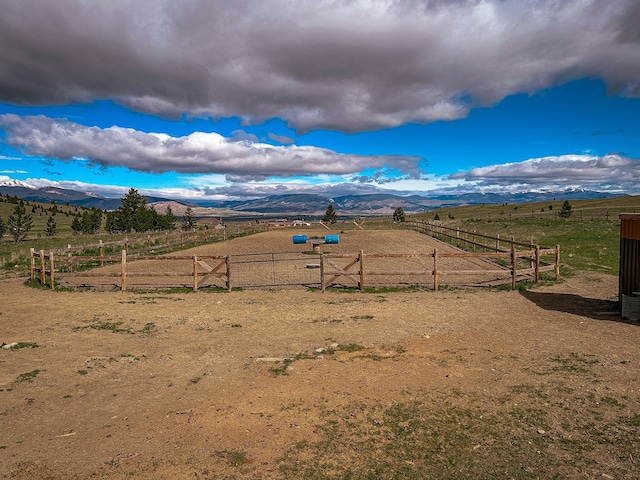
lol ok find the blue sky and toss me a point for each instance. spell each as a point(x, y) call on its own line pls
point(225, 100)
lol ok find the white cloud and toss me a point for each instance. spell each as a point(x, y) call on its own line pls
point(589, 171)
point(197, 153)
point(347, 65)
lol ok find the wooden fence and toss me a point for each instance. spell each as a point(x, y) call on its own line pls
point(356, 267)
point(298, 268)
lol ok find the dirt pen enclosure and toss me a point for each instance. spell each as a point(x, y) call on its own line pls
point(361, 258)
point(282, 383)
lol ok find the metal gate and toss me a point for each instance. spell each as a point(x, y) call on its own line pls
point(274, 270)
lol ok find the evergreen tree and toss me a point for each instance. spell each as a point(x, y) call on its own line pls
point(3, 228)
point(130, 215)
point(398, 215)
point(19, 222)
point(565, 211)
point(51, 227)
point(188, 220)
point(76, 224)
point(169, 219)
point(330, 215)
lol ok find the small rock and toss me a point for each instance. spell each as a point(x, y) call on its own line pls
point(541, 431)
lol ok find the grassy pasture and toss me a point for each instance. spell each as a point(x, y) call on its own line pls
point(589, 239)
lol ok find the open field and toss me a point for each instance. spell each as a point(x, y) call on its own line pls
point(290, 384)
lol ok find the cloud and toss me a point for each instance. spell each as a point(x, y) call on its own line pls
point(283, 139)
point(560, 171)
point(350, 65)
point(197, 153)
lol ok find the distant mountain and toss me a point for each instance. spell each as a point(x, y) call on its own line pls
point(379, 204)
point(382, 204)
point(62, 196)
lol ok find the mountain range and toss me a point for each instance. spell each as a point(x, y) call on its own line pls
point(296, 204)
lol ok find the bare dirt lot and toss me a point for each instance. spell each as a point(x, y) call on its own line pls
point(461, 383)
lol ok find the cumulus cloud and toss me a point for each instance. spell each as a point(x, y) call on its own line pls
point(197, 153)
point(559, 171)
point(348, 65)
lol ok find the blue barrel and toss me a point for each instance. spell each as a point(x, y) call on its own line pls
point(299, 239)
point(332, 239)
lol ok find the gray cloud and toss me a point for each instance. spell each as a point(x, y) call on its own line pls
point(560, 171)
point(283, 139)
point(350, 65)
point(196, 153)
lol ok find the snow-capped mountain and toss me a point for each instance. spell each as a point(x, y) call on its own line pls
point(12, 182)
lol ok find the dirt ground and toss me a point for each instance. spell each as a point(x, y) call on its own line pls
point(246, 384)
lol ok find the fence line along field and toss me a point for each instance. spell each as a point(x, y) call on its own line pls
point(357, 258)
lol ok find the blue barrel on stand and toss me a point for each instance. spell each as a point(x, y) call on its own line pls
point(332, 239)
point(299, 239)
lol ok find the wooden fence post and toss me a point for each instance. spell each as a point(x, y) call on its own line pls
point(32, 254)
point(361, 270)
point(321, 272)
point(51, 271)
point(435, 269)
point(537, 263)
point(497, 242)
point(69, 257)
point(557, 266)
point(531, 256)
point(195, 273)
point(514, 273)
point(101, 254)
point(227, 262)
point(123, 271)
point(43, 281)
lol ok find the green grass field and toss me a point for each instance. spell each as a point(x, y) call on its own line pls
point(589, 239)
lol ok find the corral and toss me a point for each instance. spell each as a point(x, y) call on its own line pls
point(363, 258)
point(290, 384)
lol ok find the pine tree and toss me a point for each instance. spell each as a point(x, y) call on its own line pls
point(398, 215)
point(169, 218)
point(51, 227)
point(3, 227)
point(330, 215)
point(19, 222)
point(188, 220)
point(565, 211)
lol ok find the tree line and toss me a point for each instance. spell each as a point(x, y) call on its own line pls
point(133, 214)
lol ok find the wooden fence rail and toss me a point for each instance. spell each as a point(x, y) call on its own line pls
point(202, 267)
point(356, 269)
point(177, 240)
point(530, 260)
point(488, 242)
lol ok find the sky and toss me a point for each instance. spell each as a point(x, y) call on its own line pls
point(215, 100)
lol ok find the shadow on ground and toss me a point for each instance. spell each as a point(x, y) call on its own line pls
point(575, 304)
